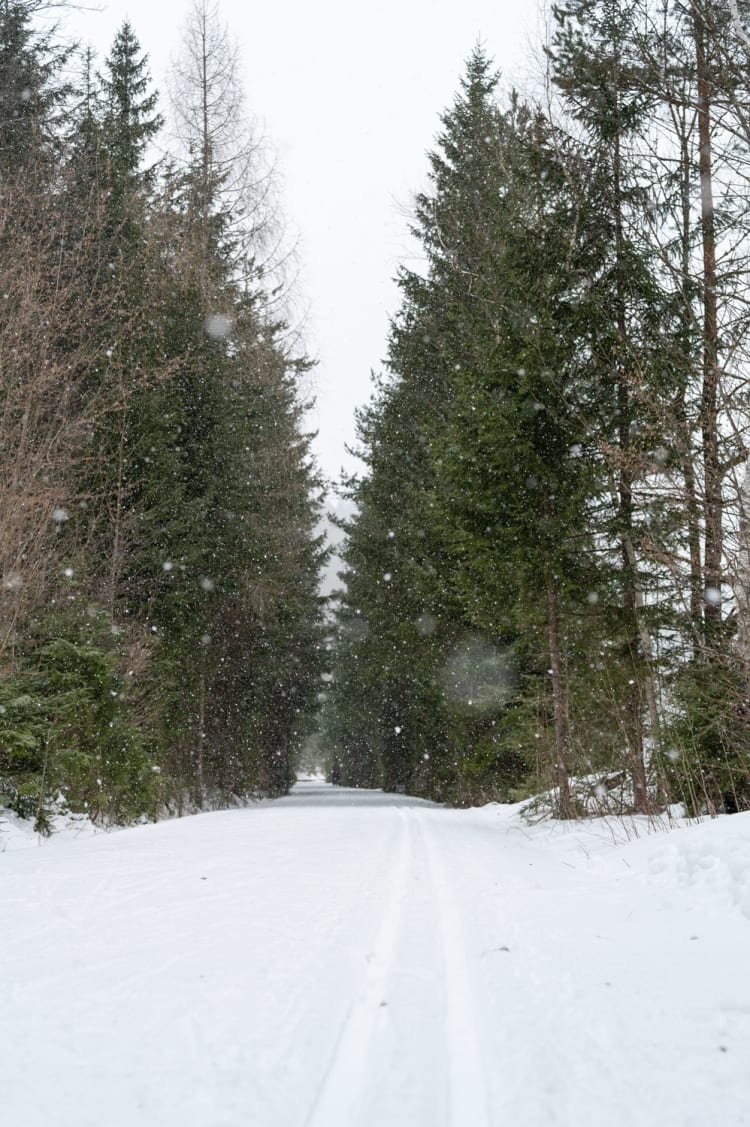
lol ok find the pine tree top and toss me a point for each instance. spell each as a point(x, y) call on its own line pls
point(132, 119)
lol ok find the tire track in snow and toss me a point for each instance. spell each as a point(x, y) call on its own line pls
point(344, 1081)
point(467, 1087)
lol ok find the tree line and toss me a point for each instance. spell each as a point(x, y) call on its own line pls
point(547, 576)
point(160, 623)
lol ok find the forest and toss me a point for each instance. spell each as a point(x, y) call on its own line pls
point(160, 621)
point(546, 567)
point(547, 573)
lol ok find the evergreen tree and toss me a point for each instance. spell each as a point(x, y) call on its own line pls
point(596, 64)
point(404, 619)
point(244, 463)
point(486, 505)
point(518, 465)
point(131, 119)
point(32, 88)
point(387, 717)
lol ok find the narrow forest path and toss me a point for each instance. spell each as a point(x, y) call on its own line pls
point(352, 959)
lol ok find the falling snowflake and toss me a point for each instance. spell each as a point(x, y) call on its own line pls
point(218, 326)
point(426, 624)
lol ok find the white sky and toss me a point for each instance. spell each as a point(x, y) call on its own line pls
point(349, 97)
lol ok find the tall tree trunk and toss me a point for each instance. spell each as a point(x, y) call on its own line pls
point(635, 687)
point(559, 702)
point(200, 784)
point(684, 432)
point(117, 517)
point(742, 579)
point(709, 395)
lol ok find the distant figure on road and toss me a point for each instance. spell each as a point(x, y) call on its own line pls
point(336, 773)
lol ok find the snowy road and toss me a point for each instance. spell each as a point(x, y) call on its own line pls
point(349, 959)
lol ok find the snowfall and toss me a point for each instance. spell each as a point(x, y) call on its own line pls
point(348, 958)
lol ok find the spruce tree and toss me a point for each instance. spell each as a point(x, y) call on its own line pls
point(248, 565)
point(596, 64)
point(131, 118)
point(32, 89)
point(386, 715)
point(405, 627)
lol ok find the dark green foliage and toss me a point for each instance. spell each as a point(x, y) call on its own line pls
point(706, 763)
point(23, 731)
point(31, 89)
point(69, 728)
point(423, 683)
point(130, 118)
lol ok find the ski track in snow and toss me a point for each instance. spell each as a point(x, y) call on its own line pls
point(354, 959)
point(344, 1080)
point(348, 1094)
point(468, 1090)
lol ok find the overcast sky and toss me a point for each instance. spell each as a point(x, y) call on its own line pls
point(349, 97)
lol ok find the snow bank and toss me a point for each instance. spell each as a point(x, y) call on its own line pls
point(709, 858)
point(19, 833)
point(712, 861)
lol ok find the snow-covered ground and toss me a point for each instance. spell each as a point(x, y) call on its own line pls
point(347, 959)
